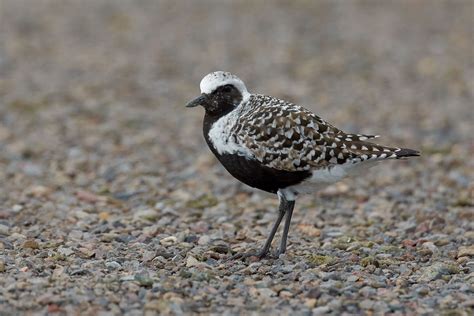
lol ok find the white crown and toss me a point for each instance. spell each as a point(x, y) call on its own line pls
point(220, 78)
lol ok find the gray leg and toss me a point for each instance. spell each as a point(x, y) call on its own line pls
point(284, 237)
point(281, 212)
point(283, 208)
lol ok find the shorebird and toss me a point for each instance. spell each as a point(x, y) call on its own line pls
point(280, 147)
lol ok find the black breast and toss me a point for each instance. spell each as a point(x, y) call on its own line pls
point(252, 172)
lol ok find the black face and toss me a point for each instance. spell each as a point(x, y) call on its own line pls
point(220, 102)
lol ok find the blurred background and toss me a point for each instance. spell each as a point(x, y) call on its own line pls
point(106, 81)
point(92, 97)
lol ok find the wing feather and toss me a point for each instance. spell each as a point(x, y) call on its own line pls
point(285, 136)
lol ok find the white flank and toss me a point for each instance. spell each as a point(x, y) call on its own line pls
point(323, 177)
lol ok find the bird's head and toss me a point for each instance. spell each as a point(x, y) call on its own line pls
point(221, 92)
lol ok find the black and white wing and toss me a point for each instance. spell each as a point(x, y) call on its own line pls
point(285, 136)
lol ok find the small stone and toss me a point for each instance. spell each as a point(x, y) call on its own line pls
point(104, 216)
point(266, 292)
point(408, 243)
point(333, 233)
point(309, 230)
point(200, 227)
point(17, 208)
point(31, 244)
point(86, 252)
point(285, 294)
point(321, 310)
point(113, 265)
point(287, 268)
point(367, 304)
point(39, 191)
point(108, 237)
point(367, 291)
point(148, 255)
point(314, 293)
point(65, 251)
point(192, 262)
point(147, 214)
point(436, 271)
point(4, 229)
point(2, 266)
point(33, 169)
point(469, 303)
point(369, 261)
point(168, 241)
point(143, 279)
point(462, 260)
point(53, 308)
point(319, 260)
point(90, 197)
point(353, 278)
point(442, 242)
point(467, 251)
point(17, 236)
point(401, 282)
point(220, 248)
point(310, 302)
point(127, 278)
point(204, 240)
point(191, 239)
point(423, 290)
point(430, 246)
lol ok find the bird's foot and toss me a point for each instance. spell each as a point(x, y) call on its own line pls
point(279, 252)
point(251, 254)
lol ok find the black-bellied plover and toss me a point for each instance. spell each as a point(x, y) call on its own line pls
point(280, 147)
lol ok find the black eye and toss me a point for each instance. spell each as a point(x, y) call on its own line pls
point(227, 88)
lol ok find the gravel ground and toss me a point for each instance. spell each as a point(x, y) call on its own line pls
point(111, 203)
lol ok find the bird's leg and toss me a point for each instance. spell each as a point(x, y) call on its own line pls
point(284, 237)
point(281, 212)
point(284, 206)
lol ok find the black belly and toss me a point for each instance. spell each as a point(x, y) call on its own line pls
point(256, 175)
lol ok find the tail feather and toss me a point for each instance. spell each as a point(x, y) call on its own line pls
point(364, 151)
point(405, 152)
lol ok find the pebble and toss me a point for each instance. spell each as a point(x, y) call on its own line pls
point(113, 265)
point(168, 241)
point(423, 290)
point(4, 229)
point(143, 279)
point(321, 310)
point(353, 278)
point(65, 251)
point(287, 294)
point(147, 214)
point(466, 251)
point(287, 268)
point(192, 262)
point(367, 304)
point(436, 271)
point(32, 244)
point(204, 240)
point(310, 302)
point(17, 208)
